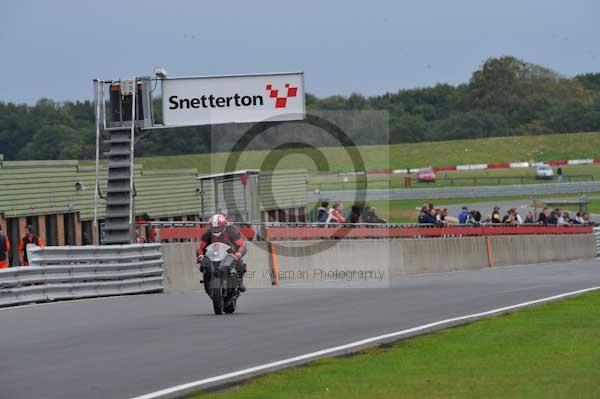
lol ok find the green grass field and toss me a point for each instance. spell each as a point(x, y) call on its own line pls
point(489, 150)
point(550, 351)
point(489, 177)
point(497, 149)
point(406, 211)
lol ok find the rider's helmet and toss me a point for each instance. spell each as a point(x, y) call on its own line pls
point(217, 224)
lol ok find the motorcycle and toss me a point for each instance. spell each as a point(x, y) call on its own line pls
point(222, 286)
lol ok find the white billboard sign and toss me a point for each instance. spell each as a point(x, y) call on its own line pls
point(232, 99)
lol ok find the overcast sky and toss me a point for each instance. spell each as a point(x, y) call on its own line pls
point(55, 48)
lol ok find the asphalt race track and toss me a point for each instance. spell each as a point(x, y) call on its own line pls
point(127, 346)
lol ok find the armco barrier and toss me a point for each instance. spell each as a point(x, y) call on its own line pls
point(57, 273)
point(597, 233)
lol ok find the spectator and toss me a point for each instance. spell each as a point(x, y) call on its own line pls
point(423, 214)
point(553, 217)
point(567, 217)
point(505, 217)
point(323, 212)
point(430, 217)
point(588, 220)
point(152, 234)
point(560, 219)
point(509, 218)
point(463, 215)
point(474, 218)
point(372, 216)
point(518, 217)
point(530, 218)
point(578, 219)
point(440, 217)
point(355, 213)
point(559, 174)
point(335, 214)
point(509, 215)
point(496, 218)
point(29, 238)
point(139, 238)
point(543, 217)
point(4, 250)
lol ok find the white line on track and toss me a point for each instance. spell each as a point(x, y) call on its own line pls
point(71, 301)
point(180, 389)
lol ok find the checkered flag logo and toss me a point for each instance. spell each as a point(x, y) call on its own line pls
point(281, 99)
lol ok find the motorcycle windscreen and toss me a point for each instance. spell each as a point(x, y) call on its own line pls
point(217, 251)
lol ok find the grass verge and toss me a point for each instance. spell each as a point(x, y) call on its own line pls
point(550, 351)
point(489, 177)
point(408, 155)
point(406, 211)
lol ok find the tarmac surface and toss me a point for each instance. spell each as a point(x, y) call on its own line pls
point(122, 347)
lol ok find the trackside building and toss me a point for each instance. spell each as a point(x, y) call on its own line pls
point(57, 199)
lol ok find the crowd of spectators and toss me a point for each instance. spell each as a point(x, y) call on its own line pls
point(430, 215)
point(561, 218)
point(557, 217)
point(358, 214)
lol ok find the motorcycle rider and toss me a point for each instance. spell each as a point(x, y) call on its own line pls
point(219, 230)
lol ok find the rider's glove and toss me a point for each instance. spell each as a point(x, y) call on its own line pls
point(199, 258)
point(237, 256)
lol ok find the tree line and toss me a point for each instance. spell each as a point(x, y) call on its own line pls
point(504, 97)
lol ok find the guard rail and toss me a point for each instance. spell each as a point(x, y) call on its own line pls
point(58, 273)
point(283, 231)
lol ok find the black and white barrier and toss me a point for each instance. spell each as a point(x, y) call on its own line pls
point(70, 272)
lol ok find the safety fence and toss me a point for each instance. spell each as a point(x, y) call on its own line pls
point(341, 183)
point(167, 231)
point(597, 233)
point(57, 273)
point(439, 193)
point(305, 231)
point(416, 231)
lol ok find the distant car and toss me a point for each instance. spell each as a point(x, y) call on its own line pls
point(426, 175)
point(544, 172)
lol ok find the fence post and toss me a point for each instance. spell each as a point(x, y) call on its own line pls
point(274, 264)
point(490, 256)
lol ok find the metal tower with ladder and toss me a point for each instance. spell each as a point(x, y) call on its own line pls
point(119, 133)
point(124, 107)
